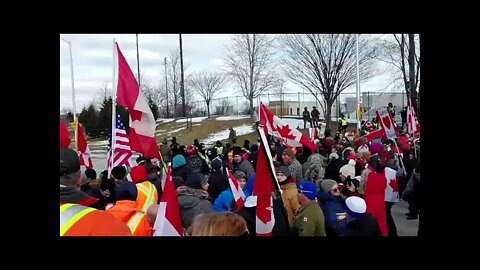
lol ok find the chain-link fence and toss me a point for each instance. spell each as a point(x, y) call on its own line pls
point(292, 104)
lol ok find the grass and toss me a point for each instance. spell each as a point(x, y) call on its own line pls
point(199, 132)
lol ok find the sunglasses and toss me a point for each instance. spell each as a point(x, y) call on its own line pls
point(335, 190)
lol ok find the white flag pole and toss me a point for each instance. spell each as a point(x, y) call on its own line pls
point(358, 89)
point(114, 111)
point(73, 93)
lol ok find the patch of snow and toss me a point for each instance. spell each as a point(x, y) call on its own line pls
point(164, 120)
point(99, 143)
point(176, 130)
point(232, 117)
point(194, 120)
point(223, 135)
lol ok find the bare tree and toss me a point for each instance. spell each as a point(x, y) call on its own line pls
point(250, 62)
point(103, 93)
point(280, 91)
point(325, 64)
point(207, 84)
point(403, 57)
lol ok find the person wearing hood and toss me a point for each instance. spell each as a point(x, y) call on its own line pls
point(218, 181)
point(224, 201)
point(315, 174)
point(193, 198)
point(147, 192)
point(317, 159)
point(77, 218)
point(288, 184)
point(332, 204)
point(179, 167)
point(126, 210)
point(360, 223)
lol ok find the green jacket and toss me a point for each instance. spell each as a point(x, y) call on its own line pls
point(310, 221)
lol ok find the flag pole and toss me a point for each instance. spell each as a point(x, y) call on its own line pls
point(73, 93)
point(114, 107)
point(138, 65)
point(277, 194)
point(358, 88)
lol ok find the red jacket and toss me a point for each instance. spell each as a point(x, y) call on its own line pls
point(375, 198)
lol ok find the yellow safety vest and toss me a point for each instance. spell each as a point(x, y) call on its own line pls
point(204, 157)
point(344, 122)
point(134, 221)
point(70, 214)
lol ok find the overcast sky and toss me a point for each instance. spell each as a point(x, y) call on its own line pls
point(92, 59)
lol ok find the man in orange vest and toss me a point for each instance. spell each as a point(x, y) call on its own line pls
point(147, 192)
point(76, 217)
point(126, 210)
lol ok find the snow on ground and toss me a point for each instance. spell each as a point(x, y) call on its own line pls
point(232, 117)
point(164, 120)
point(99, 143)
point(175, 130)
point(194, 120)
point(223, 135)
point(160, 131)
point(293, 123)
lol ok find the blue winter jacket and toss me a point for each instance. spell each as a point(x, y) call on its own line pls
point(331, 205)
point(224, 201)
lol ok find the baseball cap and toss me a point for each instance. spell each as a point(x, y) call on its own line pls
point(308, 189)
point(69, 161)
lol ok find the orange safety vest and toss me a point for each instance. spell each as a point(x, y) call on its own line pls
point(147, 195)
point(139, 225)
point(70, 214)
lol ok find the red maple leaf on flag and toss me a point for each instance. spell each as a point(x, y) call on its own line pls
point(394, 185)
point(285, 132)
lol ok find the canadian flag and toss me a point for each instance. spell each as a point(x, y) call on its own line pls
point(412, 123)
point(273, 125)
point(386, 123)
point(377, 134)
point(263, 189)
point(238, 194)
point(391, 190)
point(64, 136)
point(168, 222)
point(83, 150)
point(142, 122)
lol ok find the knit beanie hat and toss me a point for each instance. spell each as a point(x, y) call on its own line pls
point(138, 174)
point(327, 184)
point(349, 169)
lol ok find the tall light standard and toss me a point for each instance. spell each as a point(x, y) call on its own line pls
point(358, 89)
point(73, 92)
point(166, 83)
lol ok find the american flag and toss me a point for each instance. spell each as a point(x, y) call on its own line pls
point(122, 152)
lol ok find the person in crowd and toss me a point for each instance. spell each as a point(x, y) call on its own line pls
point(360, 223)
point(332, 204)
point(219, 224)
point(309, 220)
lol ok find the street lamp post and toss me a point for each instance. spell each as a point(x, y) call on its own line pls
point(73, 92)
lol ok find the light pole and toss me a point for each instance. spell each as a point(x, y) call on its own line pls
point(166, 83)
point(73, 92)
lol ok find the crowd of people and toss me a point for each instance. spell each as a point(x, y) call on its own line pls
point(346, 188)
